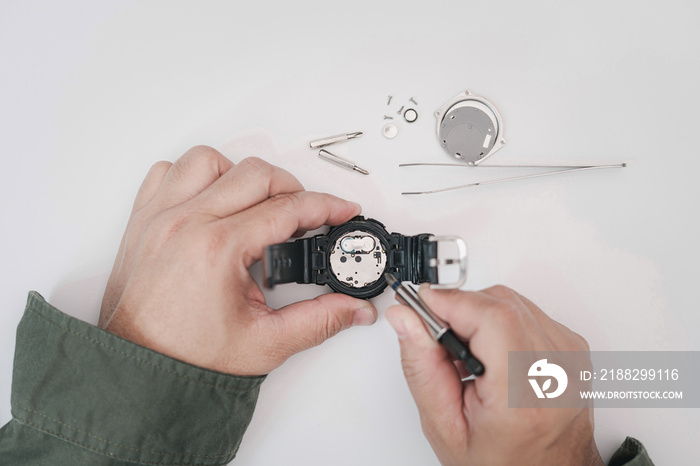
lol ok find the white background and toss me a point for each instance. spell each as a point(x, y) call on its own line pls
point(93, 93)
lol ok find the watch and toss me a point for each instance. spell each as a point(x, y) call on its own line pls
point(352, 258)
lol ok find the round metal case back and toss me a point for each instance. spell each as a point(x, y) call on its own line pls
point(357, 258)
point(469, 128)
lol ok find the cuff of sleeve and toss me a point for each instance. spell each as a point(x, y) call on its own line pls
point(631, 453)
point(98, 391)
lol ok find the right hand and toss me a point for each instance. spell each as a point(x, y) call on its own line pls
point(471, 423)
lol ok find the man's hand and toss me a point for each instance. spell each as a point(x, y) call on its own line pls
point(180, 283)
point(471, 424)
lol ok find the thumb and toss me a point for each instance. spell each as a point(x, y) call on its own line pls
point(432, 377)
point(310, 323)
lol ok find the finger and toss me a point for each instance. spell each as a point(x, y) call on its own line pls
point(198, 168)
point(465, 311)
point(248, 183)
point(309, 323)
point(431, 376)
point(151, 184)
point(276, 219)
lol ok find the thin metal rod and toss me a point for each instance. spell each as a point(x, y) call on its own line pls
point(416, 164)
point(503, 180)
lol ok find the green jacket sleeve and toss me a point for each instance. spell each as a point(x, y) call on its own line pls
point(83, 396)
point(631, 453)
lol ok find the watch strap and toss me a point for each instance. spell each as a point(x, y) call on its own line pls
point(300, 261)
point(426, 256)
point(413, 258)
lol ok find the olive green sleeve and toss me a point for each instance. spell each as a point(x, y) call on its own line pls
point(81, 395)
point(631, 453)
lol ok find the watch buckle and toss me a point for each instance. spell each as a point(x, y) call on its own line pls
point(460, 260)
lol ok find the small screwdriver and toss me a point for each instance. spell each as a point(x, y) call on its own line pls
point(327, 141)
point(334, 159)
point(440, 330)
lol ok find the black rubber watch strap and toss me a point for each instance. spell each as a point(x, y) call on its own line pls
point(286, 262)
point(426, 255)
point(300, 261)
point(410, 258)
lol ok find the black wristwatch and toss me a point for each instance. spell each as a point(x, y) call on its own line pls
point(353, 257)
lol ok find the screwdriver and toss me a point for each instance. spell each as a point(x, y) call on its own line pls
point(327, 141)
point(439, 329)
point(334, 159)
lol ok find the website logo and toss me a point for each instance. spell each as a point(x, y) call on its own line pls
point(544, 369)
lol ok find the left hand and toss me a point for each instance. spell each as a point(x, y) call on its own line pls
point(180, 283)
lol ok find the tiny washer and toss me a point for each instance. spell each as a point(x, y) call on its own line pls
point(410, 115)
point(390, 131)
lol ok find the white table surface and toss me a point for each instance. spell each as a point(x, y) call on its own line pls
point(93, 93)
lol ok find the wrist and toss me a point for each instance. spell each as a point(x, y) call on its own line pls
point(578, 443)
point(592, 456)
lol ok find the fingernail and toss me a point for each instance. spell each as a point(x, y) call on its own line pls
point(424, 290)
point(364, 317)
point(358, 208)
point(398, 325)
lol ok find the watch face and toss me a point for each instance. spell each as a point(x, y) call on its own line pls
point(357, 259)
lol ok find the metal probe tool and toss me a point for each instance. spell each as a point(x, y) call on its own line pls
point(440, 330)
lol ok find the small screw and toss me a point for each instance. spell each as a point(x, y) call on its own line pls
point(413, 100)
point(389, 101)
point(387, 117)
point(400, 111)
